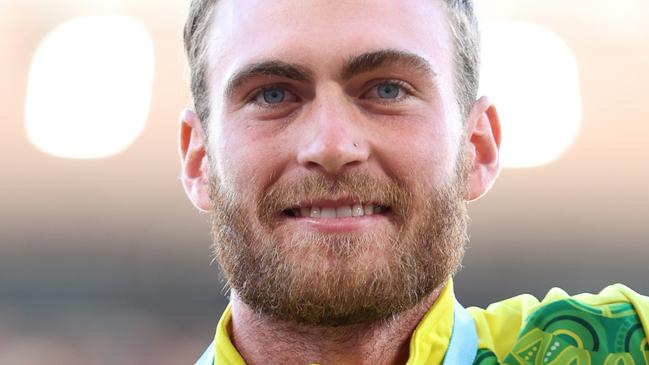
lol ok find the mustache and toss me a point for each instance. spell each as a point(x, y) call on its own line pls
point(359, 186)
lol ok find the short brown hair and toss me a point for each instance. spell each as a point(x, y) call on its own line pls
point(462, 23)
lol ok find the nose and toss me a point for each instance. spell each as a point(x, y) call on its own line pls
point(334, 139)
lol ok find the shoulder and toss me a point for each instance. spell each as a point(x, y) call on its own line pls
point(588, 328)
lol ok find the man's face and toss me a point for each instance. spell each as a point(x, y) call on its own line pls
point(336, 156)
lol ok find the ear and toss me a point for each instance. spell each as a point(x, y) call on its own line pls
point(483, 141)
point(193, 160)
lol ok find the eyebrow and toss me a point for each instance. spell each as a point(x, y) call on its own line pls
point(267, 68)
point(370, 61)
point(365, 62)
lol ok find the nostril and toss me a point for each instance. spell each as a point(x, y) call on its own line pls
point(313, 165)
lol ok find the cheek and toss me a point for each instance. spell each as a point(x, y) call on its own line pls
point(419, 151)
point(248, 161)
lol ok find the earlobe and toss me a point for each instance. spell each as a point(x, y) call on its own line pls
point(483, 136)
point(193, 160)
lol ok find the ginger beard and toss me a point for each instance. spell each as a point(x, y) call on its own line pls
point(331, 279)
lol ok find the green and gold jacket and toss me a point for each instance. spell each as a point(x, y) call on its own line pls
point(608, 328)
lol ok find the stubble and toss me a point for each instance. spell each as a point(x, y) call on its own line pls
point(340, 279)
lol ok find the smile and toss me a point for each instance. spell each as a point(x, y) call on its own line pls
point(335, 209)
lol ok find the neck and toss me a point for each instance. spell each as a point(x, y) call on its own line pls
point(259, 338)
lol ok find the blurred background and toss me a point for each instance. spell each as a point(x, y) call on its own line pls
point(104, 261)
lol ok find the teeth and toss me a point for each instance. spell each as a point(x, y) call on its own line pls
point(357, 210)
point(315, 212)
point(344, 211)
point(369, 209)
point(305, 212)
point(328, 213)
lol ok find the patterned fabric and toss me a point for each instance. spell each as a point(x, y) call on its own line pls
point(572, 332)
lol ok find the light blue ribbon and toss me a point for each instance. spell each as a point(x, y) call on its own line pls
point(208, 356)
point(463, 346)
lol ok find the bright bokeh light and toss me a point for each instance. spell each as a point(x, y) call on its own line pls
point(532, 77)
point(89, 87)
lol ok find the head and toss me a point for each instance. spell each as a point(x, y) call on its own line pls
point(461, 22)
point(336, 152)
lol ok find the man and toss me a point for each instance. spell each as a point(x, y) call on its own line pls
point(335, 145)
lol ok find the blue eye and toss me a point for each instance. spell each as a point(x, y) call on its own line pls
point(274, 95)
point(388, 91)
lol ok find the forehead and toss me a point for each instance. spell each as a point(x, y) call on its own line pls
point(322, 34)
